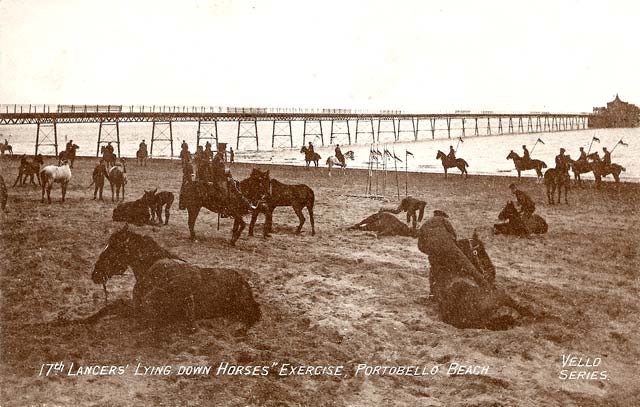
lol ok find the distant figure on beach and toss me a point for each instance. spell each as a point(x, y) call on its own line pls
point(202, 165)
point(142, 154)
point(412, 207)
point(185, 155)
point(527, 206)
point(339, 155)
point(310, 148)
point(583, 155)
point(98, 176)
point(208, 153)
point(231, 155)
point(69, 153)
point(108, 155)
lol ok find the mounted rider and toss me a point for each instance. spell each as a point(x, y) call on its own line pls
point(310, 149)
point(583, 155)
point(185, 155)
point(525, 154)
point(339, 155)
point(452, 153)
point(562, 161)
point(527, 206)
point(606, 159)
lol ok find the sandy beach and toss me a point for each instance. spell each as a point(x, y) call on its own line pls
point(339, 298)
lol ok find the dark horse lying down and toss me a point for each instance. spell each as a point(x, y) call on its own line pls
point(384, 224)
point(468, 298)
point(170, 289)
point(517, 224)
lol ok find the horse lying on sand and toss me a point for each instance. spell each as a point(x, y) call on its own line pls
point(136, 212)
point(169, 289)
point(517, 224)
point(55, 174)
point(297, 196)
point(384, 224)
point(462, 284)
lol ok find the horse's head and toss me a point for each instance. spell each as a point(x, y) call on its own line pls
point(508, 211)
point(257, 185)
point(512, 155)
point(594, 156)
point(64, 162)
point(149, 196)
point(440, 155)
point(113, 259)
point(474, 249)
point(303, 149)
point(349, 154)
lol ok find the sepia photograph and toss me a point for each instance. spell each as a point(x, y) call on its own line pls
point(336, 203)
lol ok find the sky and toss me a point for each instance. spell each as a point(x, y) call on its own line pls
point(424, 56)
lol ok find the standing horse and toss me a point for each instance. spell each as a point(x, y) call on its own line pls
point(525, 165)
point(69, 155)
point(279, 194)
point(117, 176)
point(168, 289)
point(29, 169)
point(580, 167)
point(600, 169)
point(334, 162)
point(518, 225)
point(310, 156)
point(554, 179)
point(447, 163)
point(55, 174)
point(195, 195)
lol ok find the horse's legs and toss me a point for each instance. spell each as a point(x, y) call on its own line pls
point(167, 211)
point(193, 215)
point(123, 190)
point(238, 227)
point(64, 190)
point(268, 222)
point(298, 211)
point(112, 191)
point(254, 217)
point(313, 227)
point(49, 186)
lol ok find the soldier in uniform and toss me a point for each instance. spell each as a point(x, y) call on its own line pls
point(527, 206)
point(452, 153)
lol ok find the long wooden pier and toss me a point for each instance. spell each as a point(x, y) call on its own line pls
point(346, 126)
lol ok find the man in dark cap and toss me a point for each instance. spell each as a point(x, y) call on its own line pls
point(339, 155)
point(527, 206)
point(437, 239)
point(452, 153)
point(525, 154)
point(561, 161)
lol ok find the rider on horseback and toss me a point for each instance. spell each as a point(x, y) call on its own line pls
point(339, 155)
point(562, 161)
point(583, 155)
point(525, 154)
point(452, 153)
point(527, 206)
point(606, 160)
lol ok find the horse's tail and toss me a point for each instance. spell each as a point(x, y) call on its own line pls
point(543, 165)
point(311, 199)
point(466, 164)
point(328, 160)
point(622, 169)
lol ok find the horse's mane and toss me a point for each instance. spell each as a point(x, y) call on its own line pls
point(150, 245)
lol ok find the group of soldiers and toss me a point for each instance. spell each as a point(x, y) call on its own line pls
point(562, 160)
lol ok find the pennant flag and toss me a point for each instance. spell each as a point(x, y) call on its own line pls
point(378, 153)
point(540, 141)
point(395, 157)
point(623, 143)
point(409, 153)
point(461, 140)
point(387, 153)
point(596, 139)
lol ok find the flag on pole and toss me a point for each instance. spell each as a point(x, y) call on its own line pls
point(409, 153)
point(395, 157)
point(623, 143)
point(461, 140)
point(596, 139)
point(540, 141)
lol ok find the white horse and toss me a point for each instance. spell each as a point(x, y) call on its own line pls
point(117, 176)
point(52, 174)
point(333, 161)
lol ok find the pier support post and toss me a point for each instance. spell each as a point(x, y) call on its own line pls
point(207, 131)
point(281, 129)
point(386, 129)
point(312, 131)
point(109, 132)
point(47, 135)
point(339, 130)
point(370, 131)
point(247, 129)
point(164, 134)
point(412, 130)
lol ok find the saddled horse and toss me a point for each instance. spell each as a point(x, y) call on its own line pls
point(6, 148)
point(464, 302)
point(69, 155)
point(29, 168)
point(525, 165)
point(55, 174)
point(169, 289)
point(518, 225)
point(334, 162)
point(108, 156)
point(195, 195)
point(555, 178)
point(117, 176)
point(447, 163)
point(600, 169)
point(580, 167)
point(297, 196)
point(384, 224)
point(310, 156)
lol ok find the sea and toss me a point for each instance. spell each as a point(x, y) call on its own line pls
point(486, 154)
